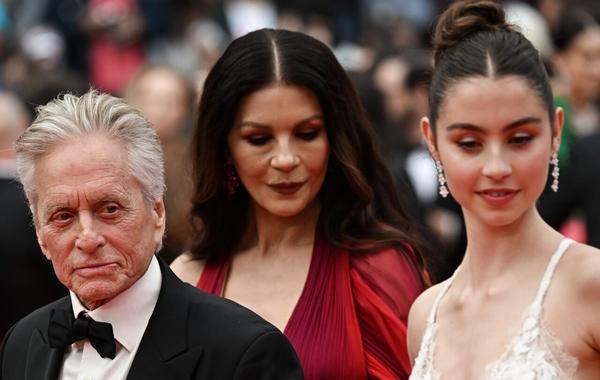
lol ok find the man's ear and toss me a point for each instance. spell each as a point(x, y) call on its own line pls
point(42, 244)
point(559, 118)
point(160, 219)
point(429, 136)
point(39, 234)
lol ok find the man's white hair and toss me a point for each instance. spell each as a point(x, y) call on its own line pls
point(71, 117)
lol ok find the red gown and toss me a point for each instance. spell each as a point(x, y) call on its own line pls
point(350, 320)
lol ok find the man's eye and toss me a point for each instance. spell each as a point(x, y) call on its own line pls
point(61, 217)
point(110, 209)
point(257, 140)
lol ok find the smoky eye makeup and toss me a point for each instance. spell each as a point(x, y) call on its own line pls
point(255, 135)
point(311, 130)
point(521, 138)
point(257, 140)
point(468, 143)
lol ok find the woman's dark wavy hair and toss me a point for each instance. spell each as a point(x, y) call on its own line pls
point(360, 209)
point(472, 38)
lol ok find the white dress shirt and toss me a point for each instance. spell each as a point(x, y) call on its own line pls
point(128, 313)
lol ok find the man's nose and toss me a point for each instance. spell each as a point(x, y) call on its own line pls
point(89, 238)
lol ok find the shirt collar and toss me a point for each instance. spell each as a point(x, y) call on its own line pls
point(130, 311)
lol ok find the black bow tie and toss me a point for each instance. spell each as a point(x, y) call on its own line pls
point(64, 330)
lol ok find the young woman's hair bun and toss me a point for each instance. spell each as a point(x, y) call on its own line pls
point(463, 18)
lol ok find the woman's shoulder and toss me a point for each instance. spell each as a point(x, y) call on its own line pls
point(581, 268)
point(391, 266)
point(422, 306)
point(418, 314)
point(382, 258)
point(392, 275)
point(187, 268)
point(581, 274)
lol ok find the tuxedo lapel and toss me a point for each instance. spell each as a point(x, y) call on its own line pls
point(164, 352)
point(42, 361)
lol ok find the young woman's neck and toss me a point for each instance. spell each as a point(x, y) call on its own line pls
point(493, 252)
point(270, 234)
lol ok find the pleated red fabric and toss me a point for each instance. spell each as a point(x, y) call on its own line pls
point(350, 320)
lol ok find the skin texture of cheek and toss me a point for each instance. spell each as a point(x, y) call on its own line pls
point(101, 287)
point(128, 258)
point(527, 174)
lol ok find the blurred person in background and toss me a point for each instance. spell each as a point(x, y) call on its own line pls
point(576, 64)
point(27, 280)
point(402, 79)
point(194, 41)
point(166, 99)
point(118, 31)
point(576, 82)
point(297, 216)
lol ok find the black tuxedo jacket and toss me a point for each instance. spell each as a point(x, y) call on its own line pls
point(190, 335)
point(22, 264)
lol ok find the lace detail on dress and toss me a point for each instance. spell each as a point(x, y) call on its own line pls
point(423, 368)
point(533, 354)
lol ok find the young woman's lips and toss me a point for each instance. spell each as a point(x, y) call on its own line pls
point(286, 188)
point(498, 197)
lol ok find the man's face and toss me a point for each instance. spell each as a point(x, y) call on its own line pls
point(91, 218)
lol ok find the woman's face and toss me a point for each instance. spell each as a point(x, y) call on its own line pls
point(279, 148)
point(495, 143)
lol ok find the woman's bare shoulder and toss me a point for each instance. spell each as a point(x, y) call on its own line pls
point(583, 269)
point(417, 317)
point(187, 268)
point(583, 273)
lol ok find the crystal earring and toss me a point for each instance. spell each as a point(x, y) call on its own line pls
point(441, 179)
point(231, 180)
point(555, 171)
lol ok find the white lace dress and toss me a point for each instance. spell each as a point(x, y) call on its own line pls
point(533, 354)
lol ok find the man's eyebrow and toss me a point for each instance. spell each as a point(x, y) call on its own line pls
point(51, 207)
point(105, 196)
point(512, 125)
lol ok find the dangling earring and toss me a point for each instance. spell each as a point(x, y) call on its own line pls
point(231, 180)
point(555, 171)
point(441, 179)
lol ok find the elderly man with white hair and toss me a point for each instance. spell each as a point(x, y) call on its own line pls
point(92, 170)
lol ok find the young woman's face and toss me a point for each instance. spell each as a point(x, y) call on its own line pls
point(495, 142)
point(279, 148)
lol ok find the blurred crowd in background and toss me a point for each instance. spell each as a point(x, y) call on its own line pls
point(156, 54)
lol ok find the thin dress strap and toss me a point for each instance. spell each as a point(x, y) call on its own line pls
point(423, 365)
point(547, 279)
point(433, 312)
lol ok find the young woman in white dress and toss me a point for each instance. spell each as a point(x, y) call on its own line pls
point(525, 302)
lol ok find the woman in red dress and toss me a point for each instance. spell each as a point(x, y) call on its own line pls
point(297, 216)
